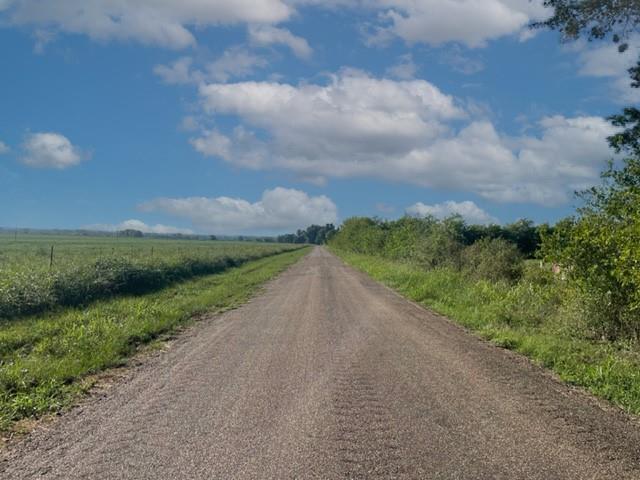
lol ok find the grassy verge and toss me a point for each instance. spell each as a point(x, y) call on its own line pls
point(531, 317)
point(44, 358)
point(25, 290)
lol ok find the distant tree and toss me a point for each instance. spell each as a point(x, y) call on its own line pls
point(213, 237)
point(288, 238)
point(524, 234)
point(301, 237)
point(129, 232)
point(314, 234)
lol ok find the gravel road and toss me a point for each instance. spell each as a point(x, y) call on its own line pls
point(330, 375)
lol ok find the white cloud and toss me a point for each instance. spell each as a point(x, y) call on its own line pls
point(352, 112)
point(467, 209)
point(4, 148)
point(278, 210)
point(155, 22)
point(138, 225)
point(405, 69)
point(235, 62)
point(605, 61)
point(213, 143)
point(403, 131)
point(177, 72)
point(171, 24)
point(50, 150)
point(265, 35)
point(471, 22)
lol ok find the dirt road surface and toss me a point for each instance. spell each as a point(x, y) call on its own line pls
point(330, 375)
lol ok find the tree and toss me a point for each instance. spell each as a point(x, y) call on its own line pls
point(525, 235)
point(314, 234)
point(595, 19)
point(361, 235)
point(599, 248)
point(129, 232)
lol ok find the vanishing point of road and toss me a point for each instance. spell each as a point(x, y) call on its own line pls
point(329, 375)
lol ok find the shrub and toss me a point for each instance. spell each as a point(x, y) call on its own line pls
point(361, 235)
point(599, 251)
point(440, 248)
point(493, 259)
point(534, 300)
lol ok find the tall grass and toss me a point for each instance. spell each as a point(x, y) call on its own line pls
point(86, 269)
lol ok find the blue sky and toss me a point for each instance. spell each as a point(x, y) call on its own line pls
point(264, 116)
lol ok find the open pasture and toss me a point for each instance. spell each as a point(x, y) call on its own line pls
point(40, 272)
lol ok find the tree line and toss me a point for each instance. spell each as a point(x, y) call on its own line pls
point(314, 234)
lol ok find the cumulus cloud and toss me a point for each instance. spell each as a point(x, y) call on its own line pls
point(353, 113)
point(138, 225)
point(4, 148)
point(471, 22)
point(165, 23)
point(404, 131)
point(604, 60)
point(265, 35)
point(178, 72)
point(171, 24)
point(467, 210)
point(235, 62)
point(278, 210)
point(213, 143)
point(51, 150)
point(405, 69)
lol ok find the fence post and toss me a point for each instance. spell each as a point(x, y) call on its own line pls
point(51, 259)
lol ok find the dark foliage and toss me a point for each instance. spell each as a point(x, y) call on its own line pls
point(315, 234)
point(595, 19)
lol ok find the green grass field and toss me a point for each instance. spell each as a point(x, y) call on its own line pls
point(83, 269)
point(47, 359)
point(33, 250)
